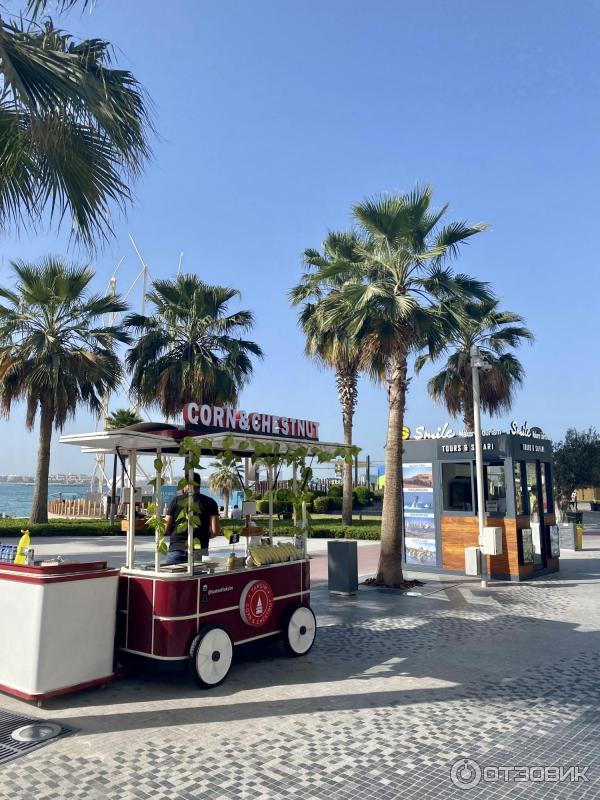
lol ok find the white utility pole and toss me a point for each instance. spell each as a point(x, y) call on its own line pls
point(476, 364)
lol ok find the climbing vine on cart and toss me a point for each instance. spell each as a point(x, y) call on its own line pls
point(269, 453)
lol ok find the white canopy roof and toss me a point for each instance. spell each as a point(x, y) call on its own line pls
point(146, 438)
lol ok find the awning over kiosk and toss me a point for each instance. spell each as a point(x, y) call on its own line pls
point(148, 437)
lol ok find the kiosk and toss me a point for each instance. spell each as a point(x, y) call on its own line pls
point(440, 501)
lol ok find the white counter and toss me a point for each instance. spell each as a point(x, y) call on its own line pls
point(57, 628)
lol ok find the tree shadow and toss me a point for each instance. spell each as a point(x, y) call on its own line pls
point(366, 663)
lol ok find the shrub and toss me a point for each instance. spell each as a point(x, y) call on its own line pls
point(335, 503)
point(364, 496)
point(310, 497)
point(322, 505)
point(283, 494)
point(337, 490)
point(322, 533)
point(279, 507)
point(345, 532)
point(371, 535)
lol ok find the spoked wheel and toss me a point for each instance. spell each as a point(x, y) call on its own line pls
point(211, 655)
point(299, 630)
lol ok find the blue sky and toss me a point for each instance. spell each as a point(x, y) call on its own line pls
point(274, 117)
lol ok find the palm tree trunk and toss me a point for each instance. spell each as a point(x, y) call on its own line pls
point(389, 571)
point(39, 504)
point(347, 480)
point(467, 404)
point(346, 379)
point(226, 503)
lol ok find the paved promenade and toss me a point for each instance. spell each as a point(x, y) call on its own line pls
point(396, 690)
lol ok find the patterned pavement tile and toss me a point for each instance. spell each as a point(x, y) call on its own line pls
point(396, 690)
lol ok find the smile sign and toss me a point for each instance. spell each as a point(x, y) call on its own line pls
point(217, 418)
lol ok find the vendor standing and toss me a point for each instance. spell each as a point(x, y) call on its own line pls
point(207, 529)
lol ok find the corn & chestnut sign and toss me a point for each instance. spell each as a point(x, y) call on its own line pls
point(226, 418)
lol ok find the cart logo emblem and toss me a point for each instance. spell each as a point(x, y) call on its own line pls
point(256, 603)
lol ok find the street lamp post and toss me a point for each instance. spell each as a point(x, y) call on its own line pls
point(477, 363)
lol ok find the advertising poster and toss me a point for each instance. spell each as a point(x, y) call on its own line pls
point(420, 551)
point(554, 541)
point(419, 515)
point(527, 539)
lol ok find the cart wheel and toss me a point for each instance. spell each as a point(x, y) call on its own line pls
point(211, 655)
point(299, 630)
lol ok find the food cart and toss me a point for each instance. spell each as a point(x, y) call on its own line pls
point(200, 611)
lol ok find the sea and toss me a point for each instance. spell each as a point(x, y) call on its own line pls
point(15, 498)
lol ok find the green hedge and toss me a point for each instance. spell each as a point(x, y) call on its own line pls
point(337, 490)
point(279, 506)
point(321, 505)
point(345, 533)
point(60, 527)
point(368, 529)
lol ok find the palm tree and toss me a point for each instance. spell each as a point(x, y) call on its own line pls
point(121, 418)
point(332, 346)
point(73, 130)
point(402, 301)
point(55, 352)
point(224, 480)
point(482, 325)
point(189, 349)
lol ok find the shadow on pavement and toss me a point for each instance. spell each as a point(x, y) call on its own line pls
point(493, 660)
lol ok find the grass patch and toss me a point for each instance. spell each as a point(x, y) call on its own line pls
point(322, 528)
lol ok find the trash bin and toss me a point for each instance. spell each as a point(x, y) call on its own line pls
point(342, 567)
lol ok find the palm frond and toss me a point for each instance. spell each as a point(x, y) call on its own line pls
point(36, 8)
point(73, 130)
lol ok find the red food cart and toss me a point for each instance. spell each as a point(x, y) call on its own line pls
point(199, 612)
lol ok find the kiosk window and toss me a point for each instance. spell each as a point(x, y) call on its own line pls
point(532, 491)
point(457, 487)
point(520, 493)
point(495, 489)
point(547, 488)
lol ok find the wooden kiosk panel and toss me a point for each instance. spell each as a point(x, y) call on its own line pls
point(457, 533)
